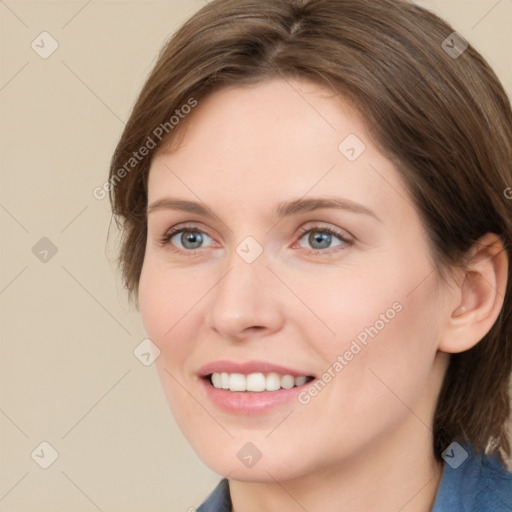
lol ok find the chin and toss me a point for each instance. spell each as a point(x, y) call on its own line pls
point(259, 473)
point(247, 462)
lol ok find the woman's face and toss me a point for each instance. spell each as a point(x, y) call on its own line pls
point(296, 251)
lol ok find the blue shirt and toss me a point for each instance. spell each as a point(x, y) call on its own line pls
point(478, 484)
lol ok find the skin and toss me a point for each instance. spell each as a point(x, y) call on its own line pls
point(364, 441)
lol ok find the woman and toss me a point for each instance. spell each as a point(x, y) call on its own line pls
point(313, 199)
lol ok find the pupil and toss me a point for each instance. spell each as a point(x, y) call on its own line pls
point(191, 240)
point(324, 239)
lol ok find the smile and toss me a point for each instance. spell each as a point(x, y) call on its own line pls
point(256, 382)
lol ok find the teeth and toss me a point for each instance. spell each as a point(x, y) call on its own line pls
point(216, 380)
point(299, 381)
point(256, 382)
point(237, 382)
point(287, 381)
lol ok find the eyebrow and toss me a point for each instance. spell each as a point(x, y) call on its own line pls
point(284, 209)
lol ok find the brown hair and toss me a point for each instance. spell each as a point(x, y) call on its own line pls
point(434, 107)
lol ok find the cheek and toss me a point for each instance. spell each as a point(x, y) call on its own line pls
point(383, 326)
point(165, 298)
point(171, 302)
point(164, 302)
point(344, 307)
point(387, 357)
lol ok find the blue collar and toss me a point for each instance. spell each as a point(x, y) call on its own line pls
point(473, 482)
point(219, 500)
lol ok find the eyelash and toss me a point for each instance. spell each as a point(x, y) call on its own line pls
point(166, 239)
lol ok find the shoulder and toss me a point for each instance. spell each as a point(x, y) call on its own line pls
point(219, 500)
point(473, 482)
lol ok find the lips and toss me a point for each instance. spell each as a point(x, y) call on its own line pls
point(252, 376)
point(251, 388)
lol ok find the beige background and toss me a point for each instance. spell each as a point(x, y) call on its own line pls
point(68, 374)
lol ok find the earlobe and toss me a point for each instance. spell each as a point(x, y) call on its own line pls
point(480, 296)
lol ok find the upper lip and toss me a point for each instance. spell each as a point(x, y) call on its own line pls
point(248, 367)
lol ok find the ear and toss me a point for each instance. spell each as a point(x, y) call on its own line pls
point(479, 296)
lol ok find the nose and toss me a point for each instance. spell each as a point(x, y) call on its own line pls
point(246, 301)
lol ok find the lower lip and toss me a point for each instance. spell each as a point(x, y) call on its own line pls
point(250, 402)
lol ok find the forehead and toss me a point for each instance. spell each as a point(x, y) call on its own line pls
point(276, 113)
point(278, 138)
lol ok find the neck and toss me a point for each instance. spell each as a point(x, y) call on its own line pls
point(399, 473)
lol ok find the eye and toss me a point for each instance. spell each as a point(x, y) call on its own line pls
point(186, 239)
point(323, 238)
